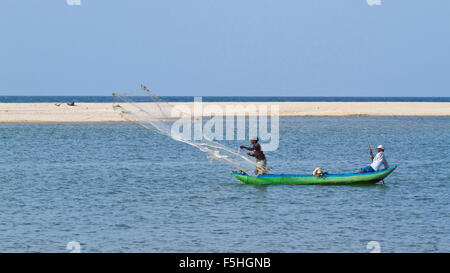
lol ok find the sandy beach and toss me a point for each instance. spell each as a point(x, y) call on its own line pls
point(104, 112)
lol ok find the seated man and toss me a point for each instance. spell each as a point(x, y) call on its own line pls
point(376, 161)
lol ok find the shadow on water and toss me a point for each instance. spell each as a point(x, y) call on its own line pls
point(265, 186)
point(254, 186)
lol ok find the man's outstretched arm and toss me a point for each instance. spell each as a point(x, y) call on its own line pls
point(247, 148)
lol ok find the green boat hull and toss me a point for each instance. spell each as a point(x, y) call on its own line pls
point(327, 179)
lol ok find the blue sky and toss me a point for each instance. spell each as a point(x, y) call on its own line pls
point(232, 47)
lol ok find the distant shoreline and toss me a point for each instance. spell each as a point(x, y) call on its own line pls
point(104, 112)
point(110, 99)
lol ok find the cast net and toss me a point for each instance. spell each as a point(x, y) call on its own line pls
point(150, 111)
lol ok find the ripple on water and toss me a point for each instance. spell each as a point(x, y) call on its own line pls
point(121, 188)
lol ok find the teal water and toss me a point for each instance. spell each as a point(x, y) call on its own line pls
point(122, 188)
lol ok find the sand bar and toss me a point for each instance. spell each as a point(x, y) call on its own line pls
point(104, 112)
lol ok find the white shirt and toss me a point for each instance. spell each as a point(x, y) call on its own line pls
point(378, 160)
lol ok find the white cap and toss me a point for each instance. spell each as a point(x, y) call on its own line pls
point(254, 138)
point(380, 147)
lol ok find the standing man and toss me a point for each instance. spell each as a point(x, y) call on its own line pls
point(261, 163)
point(377, 161)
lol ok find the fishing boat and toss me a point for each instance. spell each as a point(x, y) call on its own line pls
point(305, 179)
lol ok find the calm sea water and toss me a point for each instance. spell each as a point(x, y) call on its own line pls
point(122, 188)
point(218, 99)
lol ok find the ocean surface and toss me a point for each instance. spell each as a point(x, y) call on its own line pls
point(123, 188)
point(220, 99)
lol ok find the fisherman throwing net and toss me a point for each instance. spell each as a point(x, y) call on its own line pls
point(150, 111)
point(258, 154)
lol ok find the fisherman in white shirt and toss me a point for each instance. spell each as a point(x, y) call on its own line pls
point(377, 161)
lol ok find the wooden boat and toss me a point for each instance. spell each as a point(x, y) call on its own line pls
point(305, 179)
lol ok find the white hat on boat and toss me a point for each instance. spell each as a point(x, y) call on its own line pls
point(254, 138)
point(380, 147)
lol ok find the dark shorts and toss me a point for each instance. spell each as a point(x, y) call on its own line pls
point(367, 169)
